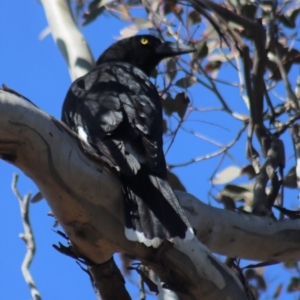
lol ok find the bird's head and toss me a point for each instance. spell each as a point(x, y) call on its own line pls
point(143, 51)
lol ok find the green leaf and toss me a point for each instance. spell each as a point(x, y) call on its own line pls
point(181, 102)
point(165, 126)
point(171, 68)
point(186, 82)
point(37, 197)
point(239, 192)
point(227, 175)
point(169, 7)
point(294, 285)
point(194, 18)
point(257, 276)
point(293, 55)
point(266, 5)
point(278, 291)
point(122, 9)
point(211, 33)
point(175, 182)
point(128, 31)
point(289, 18)
point(104, 2)
point(285, 21)
point(290, 180)
point(248, 170)
point(94, 11)
point(212, 66)
point(261, 282)
point(228, 202)
point(290, 264)
point(154, 73)
point(169, 105)
point(250, 274)
point(235, 189)
point(142, 23)
point(202, 49)
point(248, 11)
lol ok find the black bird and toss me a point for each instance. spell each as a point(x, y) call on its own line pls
point(117, 111)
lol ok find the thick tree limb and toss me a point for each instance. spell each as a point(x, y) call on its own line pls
point(242, 235)
point(86, 199)
point(67, 37)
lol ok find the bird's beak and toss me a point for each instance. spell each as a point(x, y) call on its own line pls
point(169, 49)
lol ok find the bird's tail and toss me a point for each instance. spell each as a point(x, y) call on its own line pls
point(152, 211)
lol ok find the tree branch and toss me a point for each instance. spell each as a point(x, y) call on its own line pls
point(85, 197)
point(109, 281)
point(68, 38)
point(28, 238)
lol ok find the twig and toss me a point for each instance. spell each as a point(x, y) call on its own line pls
point(290, 94)
point(142, 287)
point(27, 237)
point(212, 87)
point(275, 159)
point(295, 135)
point(287, 125)
point(182, 120)
point(213, 154)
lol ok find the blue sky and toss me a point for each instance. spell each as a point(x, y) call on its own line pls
point(36, 69)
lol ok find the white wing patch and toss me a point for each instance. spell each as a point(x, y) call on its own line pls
point(82, 134)
point(136, 236)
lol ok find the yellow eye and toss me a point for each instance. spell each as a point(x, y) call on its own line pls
point(144, 41)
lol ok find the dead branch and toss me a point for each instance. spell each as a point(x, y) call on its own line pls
point(27, 237)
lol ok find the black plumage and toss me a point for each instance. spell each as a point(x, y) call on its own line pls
point(117, 111)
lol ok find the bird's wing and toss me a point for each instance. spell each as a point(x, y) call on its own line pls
point(116, 109)
point(93, 109)
point(143, 109)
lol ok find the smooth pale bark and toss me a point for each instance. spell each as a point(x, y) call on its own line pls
point(68, 37)
point(85, 197)
point(240, 234)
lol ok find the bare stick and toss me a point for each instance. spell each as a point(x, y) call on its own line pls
point(27, 237)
